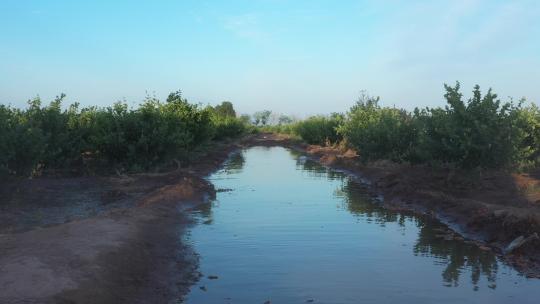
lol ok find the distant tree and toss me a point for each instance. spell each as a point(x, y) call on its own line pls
point(225, 109)
point(246, 118)
point(284, 120)
point(175, 97)
point(261, 117)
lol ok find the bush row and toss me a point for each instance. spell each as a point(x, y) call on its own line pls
point(479, 132)
point(319, 130)
point(49, 137)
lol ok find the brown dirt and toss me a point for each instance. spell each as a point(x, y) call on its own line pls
point(130, 249)
point(131, 253)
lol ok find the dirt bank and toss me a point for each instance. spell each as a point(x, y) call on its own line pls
point(102, 239)
point(490, 207)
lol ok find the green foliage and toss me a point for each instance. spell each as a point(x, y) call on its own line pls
point(141, 138)
point(285, 120)
point(261, 118)
point(21, 143)
point(117, 137)
point(319, 130)
point(481, 132)
point(228, 127)
point(279, 129)
point(526, 121)
point(225, 122)
point(379, 133)
point(225, 109)
point(245, 118)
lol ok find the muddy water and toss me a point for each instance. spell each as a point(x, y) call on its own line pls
point(287, 230)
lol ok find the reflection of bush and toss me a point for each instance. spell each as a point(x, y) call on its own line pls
point(456, 255)
point(314, 169)
point(234, 164)
point(359, 203)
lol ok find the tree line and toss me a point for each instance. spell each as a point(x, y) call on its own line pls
point(48, 137)
point(480, 132)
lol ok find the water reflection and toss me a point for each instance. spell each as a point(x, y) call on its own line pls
point(234, 164)
point(292, 231)
point(315, 170)
point(459, 257)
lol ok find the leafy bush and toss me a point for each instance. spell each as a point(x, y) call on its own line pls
point(379, 133)
point(133, 139)
point(225, 122)
point(279, 129)
point(319, 129)
point(228, 127)
point(21, 144)
point(527, 120)
point(155, 132)
point(481, 132)
point(225, 109)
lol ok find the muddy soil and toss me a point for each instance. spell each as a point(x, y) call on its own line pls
point(121, 243)
point(113, 239)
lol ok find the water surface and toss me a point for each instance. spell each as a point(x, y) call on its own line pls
point(287, 230)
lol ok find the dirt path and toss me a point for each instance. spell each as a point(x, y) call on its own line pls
point(130, 250)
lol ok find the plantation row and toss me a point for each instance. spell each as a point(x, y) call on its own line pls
point(118, 137)
point(480, 132)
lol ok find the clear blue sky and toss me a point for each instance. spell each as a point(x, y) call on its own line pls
point(298, 56)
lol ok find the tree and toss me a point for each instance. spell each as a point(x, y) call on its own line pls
point(261, 117)
point(245, 118)
point(225, 109)
point(175, 97)
point(284, 120)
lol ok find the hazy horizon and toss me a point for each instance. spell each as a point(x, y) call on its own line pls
point(296, 57)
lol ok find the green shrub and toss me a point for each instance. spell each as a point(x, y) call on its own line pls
point(47, 137)
point(379, 133)
point(481, 132)
point(21, 143)
point(319, 130)
point(228, 127)
point(151, 134)
point(526, 124)
point(279, 129)
point(225, 122)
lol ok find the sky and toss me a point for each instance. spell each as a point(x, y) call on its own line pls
point(297, 57)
